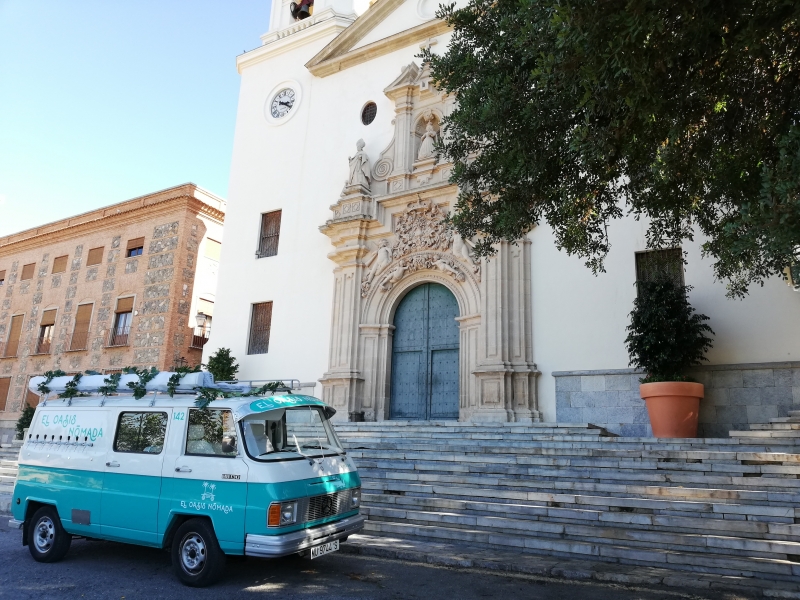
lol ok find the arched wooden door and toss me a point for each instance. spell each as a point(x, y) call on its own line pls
point(425, 355)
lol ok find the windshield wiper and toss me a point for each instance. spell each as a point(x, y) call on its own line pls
point(300, 452)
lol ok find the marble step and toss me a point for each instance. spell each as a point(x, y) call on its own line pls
point(713, 543)
point(719, 509)
point(604, 551)
point(755, 496)
point(374, 503)
point(775, 424)
point(782, 434)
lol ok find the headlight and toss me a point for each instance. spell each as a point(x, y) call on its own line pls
point(281, 514)
point(355, 498)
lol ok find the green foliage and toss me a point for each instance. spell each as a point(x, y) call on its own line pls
point(48, 377)
point(174, 379)
point(111, 385)
point(666, 337)
point(140, 387)
point(25, 419)
point(684, 113)
point(206, 396)
point(71, 389)
point(222, 365)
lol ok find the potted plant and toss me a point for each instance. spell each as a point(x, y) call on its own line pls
point(665, 339)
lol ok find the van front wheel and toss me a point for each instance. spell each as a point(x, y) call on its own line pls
point(196, 556)
point(47, 540)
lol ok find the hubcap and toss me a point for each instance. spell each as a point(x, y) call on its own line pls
point(45, 534)
point(193, 553)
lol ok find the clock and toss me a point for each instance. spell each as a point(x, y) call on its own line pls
point(282, 103)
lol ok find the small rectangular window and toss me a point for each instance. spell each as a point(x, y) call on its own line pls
point(270, 233)
point(5, 384)
point(27, 271)
point(260, 324)
point(141, 432)
point(653, 265)
point(2, 277)
point(95, 256)
point(123, 314)
point(213, 249)
point(135, 247)
point(80, 335)
point(60, 264)
point(32, 399)
point(12, 345)
point(44, 342)
point(211, 432)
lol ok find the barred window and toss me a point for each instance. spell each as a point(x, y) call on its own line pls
point(260, 323)
point(654, 265)
point(270, 233)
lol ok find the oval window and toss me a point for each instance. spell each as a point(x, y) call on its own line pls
point(368, 113)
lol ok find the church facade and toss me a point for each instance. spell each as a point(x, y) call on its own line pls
point(338, 270)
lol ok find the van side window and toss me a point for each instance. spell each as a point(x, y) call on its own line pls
point(141, 432)
point(211, 432)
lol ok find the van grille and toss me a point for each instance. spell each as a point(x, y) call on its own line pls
point(328, 505)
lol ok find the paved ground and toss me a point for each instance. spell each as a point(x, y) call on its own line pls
point(108, 570)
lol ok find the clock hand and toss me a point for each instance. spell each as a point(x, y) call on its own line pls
point(284, 103)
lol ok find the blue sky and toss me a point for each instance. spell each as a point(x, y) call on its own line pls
point(102, 101)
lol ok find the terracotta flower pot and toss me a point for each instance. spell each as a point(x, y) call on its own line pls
point(673, 407)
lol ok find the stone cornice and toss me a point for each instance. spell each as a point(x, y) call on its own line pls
point(280, 42)
point(329, 62)
point(187, 196)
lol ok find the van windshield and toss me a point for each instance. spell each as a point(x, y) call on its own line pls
point(303, 430)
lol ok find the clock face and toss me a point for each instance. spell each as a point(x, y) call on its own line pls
point(282, 103)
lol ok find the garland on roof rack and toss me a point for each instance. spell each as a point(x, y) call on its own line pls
point(48, 377)
point(145, 375)
point(111, 385)
point(71, 389)
point(175, 378)
point(206, 395)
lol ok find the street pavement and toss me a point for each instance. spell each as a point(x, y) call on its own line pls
point(107, 570)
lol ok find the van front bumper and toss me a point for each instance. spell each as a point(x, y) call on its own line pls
point(273, 546)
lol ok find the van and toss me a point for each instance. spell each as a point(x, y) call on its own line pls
point(261, 475)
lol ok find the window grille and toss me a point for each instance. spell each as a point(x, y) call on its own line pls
point(368, 113)
point(260, 324)
point(654, 265)
point(270, 233)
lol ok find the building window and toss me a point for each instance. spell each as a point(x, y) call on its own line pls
point(141, 432)
point(260, 323)
point(213, 249)
point(12, 344)
point(368, 113)
point(135, 247)
point(60, 264)
point(270, 232)
point(80, 335)
point(5, 384)
point(32, 399)
point(27, 271)
point(45, 339)
point(95, 256)
point(2, 277)
point(654, 265)
point(123, 314)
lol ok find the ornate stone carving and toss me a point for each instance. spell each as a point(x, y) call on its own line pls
point(421, 227)
point(427, 148)
point(360, 173)
point(378, 260)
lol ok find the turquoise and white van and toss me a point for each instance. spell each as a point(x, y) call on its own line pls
point(258, 476)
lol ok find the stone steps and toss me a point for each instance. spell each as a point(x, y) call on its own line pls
point(727, 507)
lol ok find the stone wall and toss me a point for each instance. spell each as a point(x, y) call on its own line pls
point(735, 397)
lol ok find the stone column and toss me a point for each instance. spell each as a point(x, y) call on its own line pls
point(505, 373)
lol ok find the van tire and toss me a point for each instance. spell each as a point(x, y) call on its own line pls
point(197, 559)
point(47, 540)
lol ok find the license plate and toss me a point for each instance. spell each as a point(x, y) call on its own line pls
point(324, 549)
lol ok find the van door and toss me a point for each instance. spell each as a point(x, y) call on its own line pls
point(132, 484)
point(210, 475)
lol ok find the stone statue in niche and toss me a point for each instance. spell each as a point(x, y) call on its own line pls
point(360, 173)
point(427, 148)
point(378, 261)
point(463, 250)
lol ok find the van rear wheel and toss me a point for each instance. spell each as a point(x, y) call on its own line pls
point(47, 540)
point(196, 556)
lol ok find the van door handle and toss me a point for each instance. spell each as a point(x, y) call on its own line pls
point(183, 470)
point(113, 463)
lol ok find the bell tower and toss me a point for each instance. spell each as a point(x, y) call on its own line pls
point(282, 19)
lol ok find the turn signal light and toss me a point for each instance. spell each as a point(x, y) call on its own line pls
point(274, 515)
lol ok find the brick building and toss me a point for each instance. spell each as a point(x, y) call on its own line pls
point(118, 286)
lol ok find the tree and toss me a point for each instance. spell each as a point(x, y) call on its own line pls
point(222, 365)
point(25, 419)
point(684, 113)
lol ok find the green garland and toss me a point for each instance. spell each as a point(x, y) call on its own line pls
point(111, 384)
point(206, 395)
point(175, 378)
point(145, 375)
point(71, 389)
point(48, 377)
